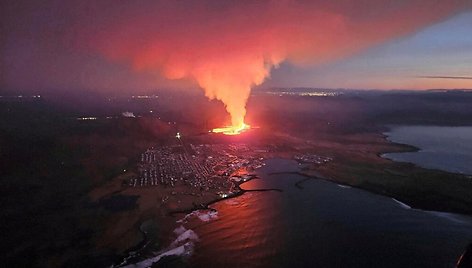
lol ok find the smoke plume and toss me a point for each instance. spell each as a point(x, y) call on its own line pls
point(227, 47)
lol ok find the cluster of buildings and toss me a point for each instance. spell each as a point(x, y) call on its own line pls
point(312, 158)
point(203, 167)
point(228, 159)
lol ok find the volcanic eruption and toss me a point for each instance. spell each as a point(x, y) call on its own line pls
point(228, 47)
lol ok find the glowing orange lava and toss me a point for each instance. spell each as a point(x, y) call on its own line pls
point(232, 130)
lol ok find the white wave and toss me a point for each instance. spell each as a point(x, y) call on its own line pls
point(344, 186)
point(183, 246)
point(403, 205)
point(179, 230)
point(450, 216)
point(183, 250)
point(210, 215)
point(188, 235)
point(203, 215)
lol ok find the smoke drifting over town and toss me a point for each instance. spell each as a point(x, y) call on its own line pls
point(227, 47)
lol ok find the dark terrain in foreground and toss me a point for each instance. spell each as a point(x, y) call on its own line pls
point(59, 174)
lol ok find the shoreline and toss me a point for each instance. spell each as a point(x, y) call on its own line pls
point(413, 149)
point(307, 177)
point(141, 246)
point(404, 203)
point(239, 192)
point(434, 204)
point(413, 204)
point(391, 170)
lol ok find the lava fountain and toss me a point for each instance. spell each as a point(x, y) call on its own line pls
point(232, 130)
point(229, 47)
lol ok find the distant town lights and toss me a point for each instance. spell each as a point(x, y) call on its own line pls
point(87, 118)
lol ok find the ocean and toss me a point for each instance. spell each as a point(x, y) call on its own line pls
point(444, 148)
point(321, 224)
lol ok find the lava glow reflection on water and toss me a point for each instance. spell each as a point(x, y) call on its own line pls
point(243, 235)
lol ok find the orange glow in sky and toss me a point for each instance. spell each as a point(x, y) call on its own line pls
point(230, 48)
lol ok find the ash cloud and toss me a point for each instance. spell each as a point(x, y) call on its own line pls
point(227, 47)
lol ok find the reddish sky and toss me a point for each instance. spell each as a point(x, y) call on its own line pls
point(235, 45)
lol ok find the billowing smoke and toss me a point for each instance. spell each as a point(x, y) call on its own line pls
point(227, 47)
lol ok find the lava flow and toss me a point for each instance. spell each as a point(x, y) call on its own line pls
point(232, 130)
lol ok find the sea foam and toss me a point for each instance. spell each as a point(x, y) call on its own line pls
point(200, 214)
point(182, 246)
point(183, 250)
point(403, 205)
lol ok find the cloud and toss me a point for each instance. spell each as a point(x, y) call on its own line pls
point(227, 47)
point(444, 77)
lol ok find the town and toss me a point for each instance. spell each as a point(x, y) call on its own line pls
point(203, 167)
point(312, 158)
